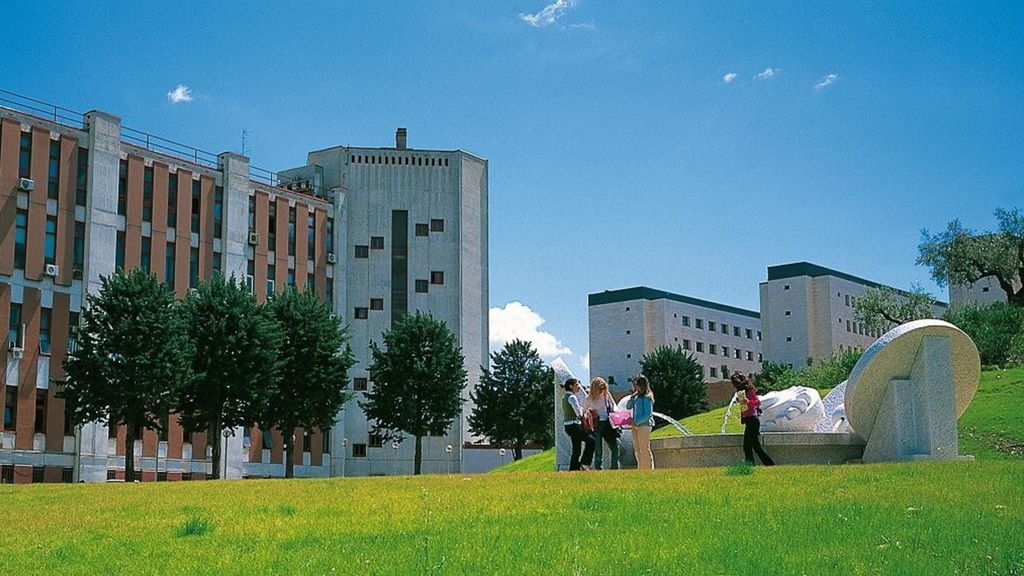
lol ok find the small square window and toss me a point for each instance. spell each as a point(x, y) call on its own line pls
point(698, 323)
point(789, 338)
point(362, 251)
point(789, 313)
point(377, 242)
point(361, 313)
point(360, 384)
point(786, 287)
point(436, 277)
point(422, 230)
point(750, 355)
point(736, 331)
point(376, 303)
point(629, 355)
point(985, 289)
point(725, 351)
point(700, 347)
point(359, 450)
point(627, 308)
point(758, 334)
point(712, 349)
point(422, 286)
point(750, 334)
point(736, 354)
point(725, 328)
point(686, 320)
point(375, 441)
point(712, 326)
point(436, 225)
point(714, 372)
point(686, 344)
point(628, 332)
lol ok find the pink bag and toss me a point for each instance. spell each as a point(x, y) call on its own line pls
point(620, 418)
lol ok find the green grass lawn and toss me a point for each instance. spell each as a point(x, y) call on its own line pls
point(913, 518)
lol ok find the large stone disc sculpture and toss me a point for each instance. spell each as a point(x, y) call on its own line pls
point(908, 389)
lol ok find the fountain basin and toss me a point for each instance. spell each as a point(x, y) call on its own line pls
point(784, 447)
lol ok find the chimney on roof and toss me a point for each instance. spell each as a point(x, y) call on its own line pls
point(400, 137)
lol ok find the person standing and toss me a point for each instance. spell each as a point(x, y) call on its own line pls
point(572, 414)
point(599, 403)
point(746, 396)
point(641, 403)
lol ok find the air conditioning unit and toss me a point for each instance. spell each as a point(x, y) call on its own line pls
point(331, 258)
point(52, 270)
point(76, 273)
point(17, 353)
point(26, 184)
point(254, 239)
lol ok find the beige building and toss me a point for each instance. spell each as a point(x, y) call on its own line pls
point(808, 313)
point(628, 323)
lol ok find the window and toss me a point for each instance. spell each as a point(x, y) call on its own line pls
point(712, 349)
point(306, 441)
point(376, 303)
point(628, 332)
point(252, 213)
point(122, 188)
point(789, 338)
point(714, 372)
point(712, 326)
point(82, 177)
point(736, 354)
point(700, 347)
point(362, 251)
point(69, 427)
point(111, 474)
point(786, 287)
point(67, 475)
point(736, 331)
point(14, 323)
point(985, 289)
point(329, 293)
point(38, 474)
point(760, 357)
point(147, 247)
point(165, 426)
point(186, 476)
point(50, 247)
point(750, 355)
point(197, 206)
point(399, 264)
point(11, 408)
point(119, 251)
point(326, 437)
point(629, 355)
point(436, 225)
point(847, 299)
point(193, 267)
point(847, 325)
point(359, 450)
point(377, 242)
point(161, 476)
point(686, 344)
point(172, 200)
point(45, 324)
point(330, 234)
point(169, 265)
point(749, 333)
point(20, 232)
point(698, 323)
point(422, 286)
point(291, 231)
point(758, 334)
point(725, 351)
point(291, 278)
point(78, 252)
point(360, 384)
point(627, 308)
point(436, 277)
point(311, 238)
point(686, 320)
point(271, 274)
point(53, 172)
point(375, 441)
point(725, 329)
point(268, 440)
point(112, 430)
point(25, 156)
point(218, 212)
point(147, 194)
point(422, 230)
point(361, 313)
point(218, 262)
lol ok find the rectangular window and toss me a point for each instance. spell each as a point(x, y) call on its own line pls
point(436, 277)
point(698, 323)
point(147, 194)
point(736, 331)
point(272, 226)
point(758, 334)
point(399, 264)
point(375, 441)
point(712, 326)
point(165, 426)
point(53, 172)
point(360, 384)
point(69, 427)
point(50, 245)
point(326, 437)
point(252, 213)
point(25, 156)
point(359, 450)
point(271, 274)
point(749, 333)
point(197, 205)
point(268, 440)
point(67, 475)
point(377, 242)
point(725, 351)
point(686, 321)
point(376, 303)
point(291, 278)
point(750, 355)
point(736, 353)
point(330, 235)
point(122, 188)
point(172, 200)
point(78, 251)
point(218, 212)
point(422, 286)
point(714, 372)
point(38, 474)
point(422, 230)
point(82, 177)
point(329, 295)
point(311, 238)
point(712, 349)
point(169, 265)
point(193, 268)
point(11, 408)
point(700, 347)
point(436, 225)
point(361, 313)
point(306, 441)
point(725, 329)
point(362, 251)
point(291, 231)
point(119, 251)
point(45, 324)
point(20, 234)
point(144, 259)
point(686, 344)
point(14, 324)
point(218, 262)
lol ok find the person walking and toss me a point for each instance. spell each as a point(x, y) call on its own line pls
point(572, 414)
point(599, 403)
point(746, 396)
point(641, 403)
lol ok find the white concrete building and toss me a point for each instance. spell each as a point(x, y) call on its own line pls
point(981, 293)
point(412, 236)
point(808, 313)
point(628, 323)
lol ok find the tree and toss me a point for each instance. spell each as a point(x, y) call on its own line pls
point(312, 379)
point(773, 377)
point(513, 402)
point(961, 256)
point(997, 330)
point(677, 380)
point(234, 361)
point(418, 381)
point(132, 354)
point(882, 308)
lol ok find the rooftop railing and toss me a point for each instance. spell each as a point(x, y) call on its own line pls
point(41, 109)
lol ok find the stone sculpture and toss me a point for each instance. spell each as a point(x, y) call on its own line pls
point(796, 409)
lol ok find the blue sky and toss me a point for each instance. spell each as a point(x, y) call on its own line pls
point(619, 155)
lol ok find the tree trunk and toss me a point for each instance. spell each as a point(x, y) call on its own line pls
point(289, 450)
point(215, 445)
point(517, 452)
point(419, 455)
point(129, 452)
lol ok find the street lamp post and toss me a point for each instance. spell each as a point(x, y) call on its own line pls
point(344, 455)
point(448, 460)
point(394, 460)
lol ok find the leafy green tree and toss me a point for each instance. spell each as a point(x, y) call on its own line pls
point(418, 381)
point(513, 402)
point(132, 353)
point(960, 255)
point(822, 375)
point(677, 380)
point(312, 380)
point(773, 377)
point(997, 330)
point(234, 361)
point(883, 308)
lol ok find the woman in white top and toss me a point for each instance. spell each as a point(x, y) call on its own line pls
point(599, 403)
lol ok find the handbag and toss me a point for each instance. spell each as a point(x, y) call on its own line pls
point(588, 421)
point(620, 418)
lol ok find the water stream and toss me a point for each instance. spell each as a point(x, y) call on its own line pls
point(728, 413)
point(682, 429)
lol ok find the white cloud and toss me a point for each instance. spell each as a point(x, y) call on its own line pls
point(180, 94)
point(826, 81)
point(588, 25)
point(516, 321)
point(768, 73)
point(551, 13)
point(730, 77)
point(585, 360)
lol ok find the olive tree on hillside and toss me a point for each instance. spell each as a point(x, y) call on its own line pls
point(883, 307)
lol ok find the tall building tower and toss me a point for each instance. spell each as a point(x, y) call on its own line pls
point(412, 236)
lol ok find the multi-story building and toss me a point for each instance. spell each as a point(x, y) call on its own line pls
point(981, 293)
point(81, 196)
point(628, 323)
point(808, 313)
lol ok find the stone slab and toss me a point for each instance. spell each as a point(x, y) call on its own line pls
point(784, 447)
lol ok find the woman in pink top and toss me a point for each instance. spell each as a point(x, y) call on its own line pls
point(746, 396)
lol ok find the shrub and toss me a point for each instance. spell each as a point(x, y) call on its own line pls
point(997, 330)
point(823, 375)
